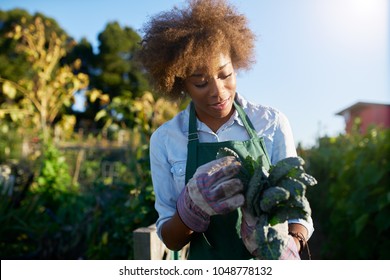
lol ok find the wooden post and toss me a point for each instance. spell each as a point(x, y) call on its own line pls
point(147, 245)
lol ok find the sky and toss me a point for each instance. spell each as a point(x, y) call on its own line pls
point(314, 58)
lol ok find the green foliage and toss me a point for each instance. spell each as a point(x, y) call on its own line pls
point(53, 177)
point(122, 202)
point(111, 71)
point(116, 50)
point(40, 96)
point(91, 220)
point(351, 205)
point(13, 65)
point(9, 135)
point(115, 73)
point(41, 222)
point(60, 215)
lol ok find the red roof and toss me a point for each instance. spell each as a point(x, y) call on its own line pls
point(359, 106)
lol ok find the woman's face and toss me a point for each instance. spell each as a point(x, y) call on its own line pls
point(213, 95)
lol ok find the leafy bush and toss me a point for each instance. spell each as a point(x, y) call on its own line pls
point(351, 203)
point(46, 223)
point(60, 220)
point(122, 202)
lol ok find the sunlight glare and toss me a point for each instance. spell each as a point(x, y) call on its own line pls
point(353, 24)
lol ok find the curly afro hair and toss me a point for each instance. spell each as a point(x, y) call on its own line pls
point(177, 42)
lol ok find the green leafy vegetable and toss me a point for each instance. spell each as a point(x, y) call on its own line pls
point(273, 196)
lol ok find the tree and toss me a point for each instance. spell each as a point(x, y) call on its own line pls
point(117, 74)
point(115, 79)
point(13, 64)
point(48, 86)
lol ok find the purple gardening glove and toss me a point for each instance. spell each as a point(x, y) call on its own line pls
point(211, 191)
point(290, 252)
point(264, 241)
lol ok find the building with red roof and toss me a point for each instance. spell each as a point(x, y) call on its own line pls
point(368, 114)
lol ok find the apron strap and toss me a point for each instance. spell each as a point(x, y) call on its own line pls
point(250, 128)
point(192, 146)
point(245, 120)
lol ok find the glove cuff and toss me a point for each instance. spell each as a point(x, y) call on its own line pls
point(290, 252)
point(246, 230)
point(248, 236)
point(190, 214)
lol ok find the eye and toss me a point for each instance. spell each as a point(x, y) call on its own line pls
point(223, 77)
point(201, 85)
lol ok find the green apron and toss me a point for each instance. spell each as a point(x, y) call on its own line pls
point(221, 240)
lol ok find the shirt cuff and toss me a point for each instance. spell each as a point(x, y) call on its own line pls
point(307, 224)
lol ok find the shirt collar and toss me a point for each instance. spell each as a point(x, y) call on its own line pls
point(203, 127)
point(235, 118)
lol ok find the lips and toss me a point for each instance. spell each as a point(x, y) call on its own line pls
point(220, 105)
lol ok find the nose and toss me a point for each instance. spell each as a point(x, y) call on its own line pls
point(217, 86)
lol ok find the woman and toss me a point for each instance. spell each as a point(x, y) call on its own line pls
point(196, 51)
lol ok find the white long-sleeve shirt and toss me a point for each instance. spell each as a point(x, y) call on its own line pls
point(168, 150)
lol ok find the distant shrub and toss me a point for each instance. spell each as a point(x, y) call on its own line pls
point(351, 203)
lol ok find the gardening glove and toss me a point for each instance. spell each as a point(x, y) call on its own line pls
point(267, 242)
point(211, 191)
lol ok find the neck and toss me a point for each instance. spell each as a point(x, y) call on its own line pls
point(215, 123)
